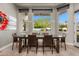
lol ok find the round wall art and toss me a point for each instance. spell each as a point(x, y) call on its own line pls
point(3, 21)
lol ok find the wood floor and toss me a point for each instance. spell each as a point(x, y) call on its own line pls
point(71, 51)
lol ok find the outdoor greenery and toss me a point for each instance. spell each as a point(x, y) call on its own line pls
point(62, 26)
point(45, 23)
point(42, 23)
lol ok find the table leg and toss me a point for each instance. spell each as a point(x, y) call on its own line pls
point(58, 48)
point(25, 43)
point(20, 45)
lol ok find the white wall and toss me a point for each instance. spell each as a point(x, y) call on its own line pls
point(76, 6)
point(6, 35)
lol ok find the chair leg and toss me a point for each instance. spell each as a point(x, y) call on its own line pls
point(36, 49)
point(53, 45)
point(27, 49)
point(43, 49)
point(65, 45)
point(12, 45)
point(52, 49)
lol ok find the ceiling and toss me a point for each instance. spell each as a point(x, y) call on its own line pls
point(37, 5)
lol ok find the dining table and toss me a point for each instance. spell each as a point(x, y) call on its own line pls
point(25, 37)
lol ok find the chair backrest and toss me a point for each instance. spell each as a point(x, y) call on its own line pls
point(32, 40)
point(46, 33)
point(14, 37)
point(62, 39)
point(47, 40)
point(33, 33)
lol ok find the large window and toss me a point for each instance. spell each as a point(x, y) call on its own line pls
point(63, 20)
point(42, 22)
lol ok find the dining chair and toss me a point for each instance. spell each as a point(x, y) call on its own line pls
point(47, 42)
point(63, 41)
point(45, 33)
point(15, 40)
point(33, 33)
point(32, 42)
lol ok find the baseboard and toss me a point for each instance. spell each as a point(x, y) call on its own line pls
point(6, 46)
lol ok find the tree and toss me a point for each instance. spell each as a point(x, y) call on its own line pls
point(42, 23)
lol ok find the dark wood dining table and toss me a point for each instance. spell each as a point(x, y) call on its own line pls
point(38, 37)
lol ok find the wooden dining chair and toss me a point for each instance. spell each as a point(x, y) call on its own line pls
point(47, 42)
point(32, 42)
point(45, 33)
point(63, 41)
point(33, 33)
point(15, 40)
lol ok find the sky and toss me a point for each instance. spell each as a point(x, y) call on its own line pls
point(63, 17)
point(41, 17)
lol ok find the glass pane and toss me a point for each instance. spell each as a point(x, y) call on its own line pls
point(77, 25)
point(63, 20)
point(42, 23)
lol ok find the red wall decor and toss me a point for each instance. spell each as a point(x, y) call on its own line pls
point(3, 21)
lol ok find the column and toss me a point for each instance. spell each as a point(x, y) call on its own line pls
point(30, 25)
point(70, 33)
point(30, 14)
point(20, 22)
point(54, 22)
